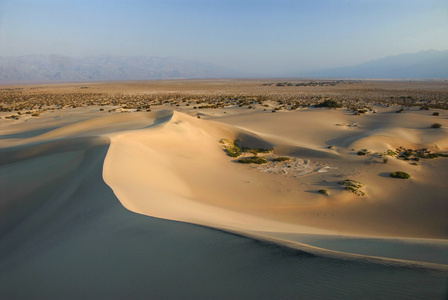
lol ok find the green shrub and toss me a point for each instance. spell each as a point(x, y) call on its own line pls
point(324, 192)
point(436, 125)
point(233, 151)
point(400, 174)
point(253, 160)
point(363, 152)
point(432, 155)
point(256, 150)
point(281, 158)
point(230, 148)
point(390, 153)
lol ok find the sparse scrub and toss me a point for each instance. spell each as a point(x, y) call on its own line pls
point(329, 104)
point(253, 160)
point(281, 158)
point(400, 174)
point(436, 125)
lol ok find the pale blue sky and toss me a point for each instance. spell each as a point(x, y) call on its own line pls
point(266, 37)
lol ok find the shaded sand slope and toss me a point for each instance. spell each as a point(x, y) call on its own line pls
point(64, 233)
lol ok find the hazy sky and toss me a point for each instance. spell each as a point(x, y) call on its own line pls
point(264, 36)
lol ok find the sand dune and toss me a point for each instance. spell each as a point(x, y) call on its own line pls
point(79, 197)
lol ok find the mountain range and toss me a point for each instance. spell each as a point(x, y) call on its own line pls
point(430, 64)
point(52, 68)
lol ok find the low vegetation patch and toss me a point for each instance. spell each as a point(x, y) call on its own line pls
point(363, 152)
point(281, 158)
point(351, 183)
point(436, 125)
point(329, 104)
point(353, 186)
point(390, 153)
point(412, 155)
point(254, 151)
point(230, 148)
point(400, 174)
point(253, 160)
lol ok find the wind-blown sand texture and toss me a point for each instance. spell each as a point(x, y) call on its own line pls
point(100, 205)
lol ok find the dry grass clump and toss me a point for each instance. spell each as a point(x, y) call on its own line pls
point(353, 186)
point(230, 148)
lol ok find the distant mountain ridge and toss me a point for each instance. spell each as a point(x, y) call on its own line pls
point(430, 64)
point(51, 68)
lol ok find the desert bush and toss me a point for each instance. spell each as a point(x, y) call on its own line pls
point(432, 155)
point(385, 160)
point(390, 153)
point(363, 152)
point(253, 160)
point(324, 192)
point(436, 113)
point(281, 158)
point(436, 125)
point(230, 148)
point(400, 174)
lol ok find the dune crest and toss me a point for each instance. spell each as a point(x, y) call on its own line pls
point(183, 163)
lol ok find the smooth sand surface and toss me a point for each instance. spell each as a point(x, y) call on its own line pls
point(91, 204)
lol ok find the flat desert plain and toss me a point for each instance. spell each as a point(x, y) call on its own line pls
point(224, 189)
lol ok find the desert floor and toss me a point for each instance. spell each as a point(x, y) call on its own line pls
point(126, 190)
